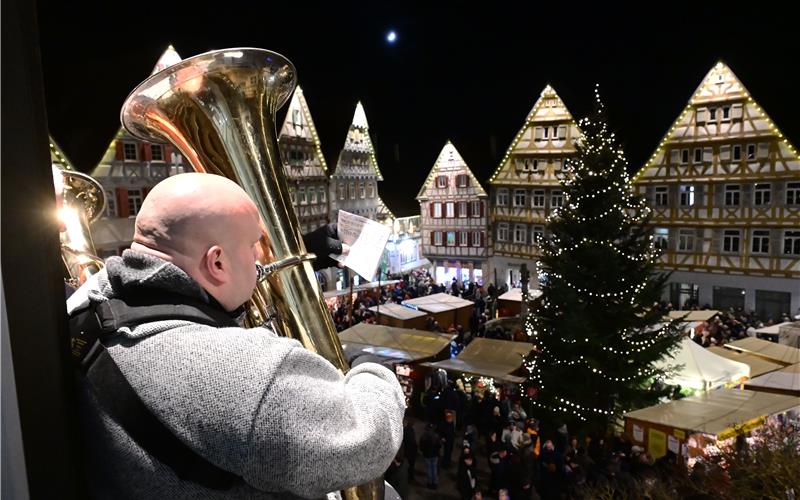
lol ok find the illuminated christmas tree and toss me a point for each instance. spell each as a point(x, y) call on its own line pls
point(598, 330)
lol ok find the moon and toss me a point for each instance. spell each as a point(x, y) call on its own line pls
point(391, 37)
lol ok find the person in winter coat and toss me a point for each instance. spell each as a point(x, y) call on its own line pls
point(397, 475)
point(189, 404)
point(410, 446)
point(429, 445)
point(466, 479)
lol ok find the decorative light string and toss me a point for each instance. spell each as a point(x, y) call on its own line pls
point(586, 241)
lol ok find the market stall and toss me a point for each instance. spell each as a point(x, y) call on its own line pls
point(758, 366)
point(400, 349)
point(700, 369)
point(776, 353)
point(399, 316)
point(446, 309)
point(510, 303)
point(686, 426)
point(783, 381)
point(496, 359)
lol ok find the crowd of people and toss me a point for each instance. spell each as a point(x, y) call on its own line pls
point(466, 429)
point(727, 326)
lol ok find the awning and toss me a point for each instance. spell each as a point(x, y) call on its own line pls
point(758, 366)
point(360, 288)
point(415, 264)
point(693, 315)
point(396, 343)
point(773, 329)
point(488, 358)
point(768, 350)
point(700, 368)
point(714, 412)
point(786, 380)
point(515, 295)
point(397, 311)
point(438, 302)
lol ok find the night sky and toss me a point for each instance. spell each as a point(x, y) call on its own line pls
point(468, 74)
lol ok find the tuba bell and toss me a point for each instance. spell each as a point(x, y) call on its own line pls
point(80, 200)
point(218, 109)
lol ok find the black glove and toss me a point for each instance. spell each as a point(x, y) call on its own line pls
point(322, 241)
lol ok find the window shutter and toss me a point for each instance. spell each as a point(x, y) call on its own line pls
point(433, 238)
point(122, 203)
point(725, 152)
point(483, 239)
point(537, 133)
point(701, 115)
point(431, 206)
point(455, 209)
point(674, 156)
point(144, 151)
point(708, 154)
point(763, 150)
point(466, 181)
point(562, 132)
point(167, 152)
point(120, 153)
point(481, 209)
point(736, 111)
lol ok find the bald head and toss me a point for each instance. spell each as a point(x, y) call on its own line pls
point(206, 225)
point(186, 212)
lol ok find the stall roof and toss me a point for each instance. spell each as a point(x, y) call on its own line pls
point(758, 366)
point(408, 266)
point(787, 379)
point(397, 311)
point(700, 368)
point(771, 351)
point(438, 302)
point(360, 288)
point(490, 358)
point(773, 329)
point(715, 411)
point(398, 343)
point(515, 295)
point(704, 315)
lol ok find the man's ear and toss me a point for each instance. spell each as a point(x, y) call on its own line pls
point(214, 265)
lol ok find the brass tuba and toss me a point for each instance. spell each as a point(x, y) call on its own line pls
point(80, 200)
point(218, 109)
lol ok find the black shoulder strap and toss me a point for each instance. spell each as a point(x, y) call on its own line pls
point(91, 327)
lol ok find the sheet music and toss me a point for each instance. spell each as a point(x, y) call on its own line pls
point(367, 240)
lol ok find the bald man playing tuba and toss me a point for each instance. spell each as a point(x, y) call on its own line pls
point(180, 401)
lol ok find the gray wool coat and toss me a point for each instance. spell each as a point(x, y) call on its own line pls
point(280, 417)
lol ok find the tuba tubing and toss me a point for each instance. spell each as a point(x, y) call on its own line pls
point(218, 109)
point(80, 200)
